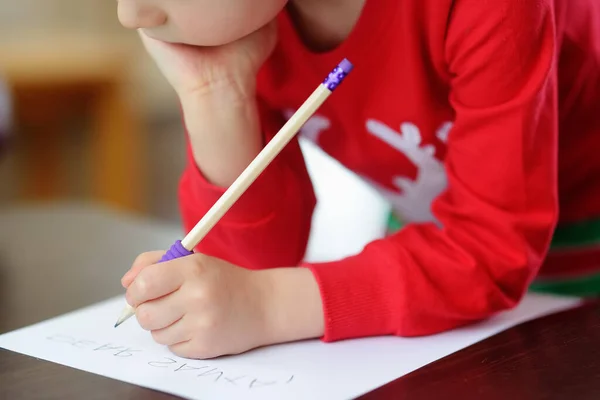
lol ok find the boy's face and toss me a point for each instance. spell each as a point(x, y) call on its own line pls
point(198, 22)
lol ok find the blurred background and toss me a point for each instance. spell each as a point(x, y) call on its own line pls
point(91, 117)
point(91, 150)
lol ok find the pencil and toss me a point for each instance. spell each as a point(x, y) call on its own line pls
point(186, 246)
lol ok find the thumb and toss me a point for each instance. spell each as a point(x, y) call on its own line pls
point(142, 261)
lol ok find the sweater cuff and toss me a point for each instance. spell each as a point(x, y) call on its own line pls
point(260, 201)
point(358, 300)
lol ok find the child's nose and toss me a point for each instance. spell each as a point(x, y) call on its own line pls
point(134, 14)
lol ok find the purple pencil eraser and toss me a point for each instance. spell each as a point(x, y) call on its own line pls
point(338, 74)
point(346, 66)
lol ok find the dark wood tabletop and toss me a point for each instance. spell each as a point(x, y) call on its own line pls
point(555, 357)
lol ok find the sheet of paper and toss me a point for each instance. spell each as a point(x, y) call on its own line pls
point(86, 340)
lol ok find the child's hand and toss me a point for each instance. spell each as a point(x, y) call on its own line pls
point(199, 306)
point(192, 70)
point(217, 91)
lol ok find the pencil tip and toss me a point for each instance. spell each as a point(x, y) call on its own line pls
point(127, 312)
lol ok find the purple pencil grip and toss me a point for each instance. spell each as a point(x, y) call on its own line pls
point(339, 73)
point(176, 251)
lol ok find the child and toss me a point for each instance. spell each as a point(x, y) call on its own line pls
point(479, 121)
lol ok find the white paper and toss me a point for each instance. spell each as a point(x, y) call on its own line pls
point(86, 340)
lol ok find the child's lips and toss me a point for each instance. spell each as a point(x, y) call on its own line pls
point(153, 34)
point(163, 35)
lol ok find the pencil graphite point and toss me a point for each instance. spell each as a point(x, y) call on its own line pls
point(119, 322)
point(127, 312)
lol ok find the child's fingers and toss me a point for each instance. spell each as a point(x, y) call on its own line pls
point(185, 350)
point(153, 282)
point(161, 313)
point(141, 262)
point(176, 333)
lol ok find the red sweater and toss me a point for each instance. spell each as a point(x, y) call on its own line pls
point(454, 111)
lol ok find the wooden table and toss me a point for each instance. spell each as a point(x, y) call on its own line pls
point(556, 357)
point(59, 79)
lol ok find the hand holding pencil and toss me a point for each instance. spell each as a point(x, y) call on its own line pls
point(184, 248)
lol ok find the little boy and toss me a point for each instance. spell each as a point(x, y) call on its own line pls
point(479, 121)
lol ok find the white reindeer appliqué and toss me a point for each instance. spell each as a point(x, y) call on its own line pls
point(413, 200)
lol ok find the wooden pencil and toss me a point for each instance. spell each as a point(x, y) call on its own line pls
point(186, 246)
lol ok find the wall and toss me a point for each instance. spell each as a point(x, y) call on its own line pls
point(94, 16)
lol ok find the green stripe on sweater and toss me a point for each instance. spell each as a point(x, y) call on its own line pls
point(582, 234)
point(577, 234)
point(587, 286)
